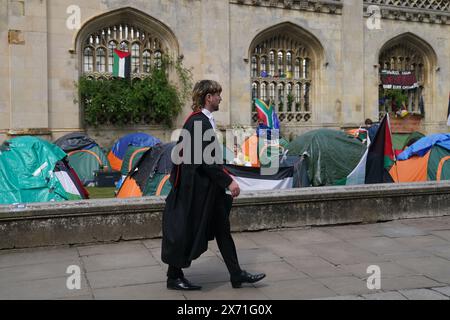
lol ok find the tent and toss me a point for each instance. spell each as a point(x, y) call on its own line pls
point(84, 155)
point(34, 170)
point(428, 159)
point(151, 174)
point(131, 158)
point(332, 154)
point(402, 140)
point(120, 147)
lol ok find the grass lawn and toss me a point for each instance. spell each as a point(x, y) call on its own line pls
point(100, 193)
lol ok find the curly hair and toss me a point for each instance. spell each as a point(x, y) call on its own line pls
point(201, 89)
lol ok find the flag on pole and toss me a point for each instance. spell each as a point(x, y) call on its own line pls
point(267, 114)
point(122, 64)
point(380, 156)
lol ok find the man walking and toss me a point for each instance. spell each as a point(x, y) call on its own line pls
point(197, 208)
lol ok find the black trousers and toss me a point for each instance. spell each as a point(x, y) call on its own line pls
point(222, 233)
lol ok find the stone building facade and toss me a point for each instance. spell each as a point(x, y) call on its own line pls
point(319, 61)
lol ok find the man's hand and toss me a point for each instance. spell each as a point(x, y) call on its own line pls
point(234, 189)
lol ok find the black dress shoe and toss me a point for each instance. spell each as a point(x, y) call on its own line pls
point(181, 284)
point(246, 277)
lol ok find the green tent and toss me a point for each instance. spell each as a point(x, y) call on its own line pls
point(131, 158)
point(86, 161)
point(402, 140)
point(331, 154)
point(27, 171)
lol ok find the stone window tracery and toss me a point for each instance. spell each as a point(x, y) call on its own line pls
point(98, 50)
point(279, 72)
point(402, 57)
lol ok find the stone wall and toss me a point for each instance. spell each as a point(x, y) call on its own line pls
point(87, 221)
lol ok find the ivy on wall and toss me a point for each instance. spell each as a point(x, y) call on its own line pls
point(152, 99)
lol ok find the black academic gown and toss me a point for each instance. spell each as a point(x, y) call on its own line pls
point(197, 195)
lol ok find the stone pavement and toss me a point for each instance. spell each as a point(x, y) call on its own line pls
point(307, 263)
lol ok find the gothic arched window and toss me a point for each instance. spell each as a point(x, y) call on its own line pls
point(146, 61)
point(100, 59)
point(98, 50)
point(88, 55)
point(283, 76)
point(401, 58)
point(135, 55)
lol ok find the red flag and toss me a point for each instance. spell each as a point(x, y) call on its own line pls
point(381, 154)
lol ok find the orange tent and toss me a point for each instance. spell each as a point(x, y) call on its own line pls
point(411, 170)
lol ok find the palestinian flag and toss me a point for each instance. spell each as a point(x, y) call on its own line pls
point(267, 114)
point(251, 179)
point(358, 175)
point(122, 64)
point(69, 180)
point(380, 156)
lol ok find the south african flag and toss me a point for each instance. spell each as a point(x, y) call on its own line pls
point(267, 114)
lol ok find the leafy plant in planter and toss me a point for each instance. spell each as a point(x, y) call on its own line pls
point(396, 96)
point(119, 101)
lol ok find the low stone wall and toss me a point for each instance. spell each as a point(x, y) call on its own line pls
point(90, 221)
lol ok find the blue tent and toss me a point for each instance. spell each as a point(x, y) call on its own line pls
point(119, 148)
point(423, 145)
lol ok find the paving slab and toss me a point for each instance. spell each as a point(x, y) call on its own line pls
point(351, 232)
point(434, 267)
point(118, 260)
point(380, 245)
point(299, 289)
point(400, 230)
point(112, 248)
point(417, 242)
point(127, 276)
point(394, 295)
point(408, 282)
point(423, 294)
point(42, 289)
point(429, 224)
point(276, 270)
point(347, 285)
point(387, 269)
point(257, 255)
point(152, 243)
point(351, 297)
point(344, 253)
point(444, 234)
point(309, 236)
point(316, 267)
point(224, 291)
point(154, 291)
point(443, 290)
point(29, 272)
point(440, 251)
point(10, 258)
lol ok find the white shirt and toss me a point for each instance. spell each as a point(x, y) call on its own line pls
point(210, 117)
